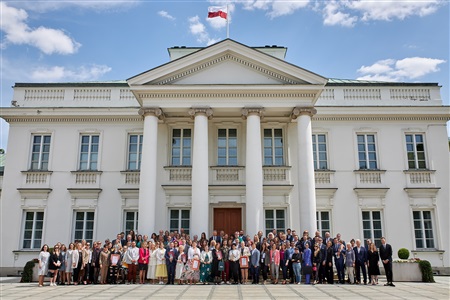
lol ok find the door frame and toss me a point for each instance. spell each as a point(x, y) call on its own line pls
point(226, 205)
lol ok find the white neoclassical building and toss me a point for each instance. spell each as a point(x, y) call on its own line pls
point(226, 137)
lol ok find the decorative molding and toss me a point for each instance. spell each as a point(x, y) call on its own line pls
point(151, 111)
point(78, 119)
point(298, 111)
point(247, 111)
point(223, 58)
point(206, 110)
point(380, 118)
point(239, 95)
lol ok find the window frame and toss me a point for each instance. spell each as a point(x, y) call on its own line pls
point(135, 219)
point(74, 230)
point(316, 155)
point(181, 156)
point(367, 151)
point(227, 147)
point(372, 229)
point(273, 146)
point(319, 220)
point(89, 153)
point(416, 160)
point(423, 229)
point(33, 230)
point(180, 219)
point(140, 137)
point(275, 219)
point(41, 152)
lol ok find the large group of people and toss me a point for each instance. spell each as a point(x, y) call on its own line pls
point(170, 257)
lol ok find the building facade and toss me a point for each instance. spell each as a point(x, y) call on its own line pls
point(226, 137)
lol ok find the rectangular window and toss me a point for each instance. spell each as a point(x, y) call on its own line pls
point(131, 221)
point(89, 152)
point(320, 151)
point(179, 218)
point(40, 152)
point(273, 147)
point(323, 222)
point(372, 228)
point(181, 147)
point(84, 226)
point(367, 153)
point(423, 229)
point(32, 229)
point(134, 151)
point(415, 148)
point(227, 147)
point(275, 219)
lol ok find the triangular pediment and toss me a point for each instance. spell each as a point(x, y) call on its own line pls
point(227, 63)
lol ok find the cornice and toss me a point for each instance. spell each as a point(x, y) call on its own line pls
point(227, 57)
point(380, 118)
point(253, 94)
point(78, 119)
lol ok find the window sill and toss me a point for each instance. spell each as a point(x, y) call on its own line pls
point(86, 171)
point(418, 171)
point(37, 171)
point(27, 251)
point(431, 250)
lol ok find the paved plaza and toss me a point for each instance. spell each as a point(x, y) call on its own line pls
point(403, 290)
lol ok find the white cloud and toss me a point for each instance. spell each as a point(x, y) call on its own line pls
point(198, 29)
point(394, 9)
point(400, 70)
point(166, 15)
point(332, 16)
point(274, 8)
point(48, 40)
point(60, 73)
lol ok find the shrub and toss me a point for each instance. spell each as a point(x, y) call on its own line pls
point(427, 272)
point(403, 253)
point(27, 275)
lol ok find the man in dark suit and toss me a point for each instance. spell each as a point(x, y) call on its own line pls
point(215, 237)
point(361, 257)
point(171, 262)
point(322, 267)
point(386, 258)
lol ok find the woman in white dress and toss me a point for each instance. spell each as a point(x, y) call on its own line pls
point(43, 264)
point(152, 263)
point(180, 264)
point(69, 263)
point(161, 268)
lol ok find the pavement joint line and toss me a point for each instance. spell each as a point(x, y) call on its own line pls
point(239, 291)
point(154, 292)
point(295, 291)
point(375, 289)
point(211, 293)
point(325, 292)
point(180, 296)
point(268, 292)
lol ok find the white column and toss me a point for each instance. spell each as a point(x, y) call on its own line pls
point(200, 193)
point(306, 180)
point(253, 172)
point(147, 184)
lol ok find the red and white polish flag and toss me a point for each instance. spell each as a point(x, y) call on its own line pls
point(217, 11)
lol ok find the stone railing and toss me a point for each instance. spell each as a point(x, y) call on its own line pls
point(37, 177)
point(323, 177)
point(227, 173)
point(369, 177)
point(327, 94)
point(278, 173)
point(44, 95)
point(180, 173)
point(420, 177)
point(91, 94)
point(132, 177)
point(87, 177)
point(362, 94)
point(410, 94)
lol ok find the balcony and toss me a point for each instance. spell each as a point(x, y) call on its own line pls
point(87, 178)
point(324, 177)
point(227, 174)
point(179, 173)
point(36, 178)
point(369, 178)
point(420, 178)
point(131, 177)
point(278, 174)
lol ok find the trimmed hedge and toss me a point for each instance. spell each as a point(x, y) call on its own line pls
point(403, 253)
point(427, 272)
point(27, 275)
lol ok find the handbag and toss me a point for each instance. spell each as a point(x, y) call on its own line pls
point(221, 267)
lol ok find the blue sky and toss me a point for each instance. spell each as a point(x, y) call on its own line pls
point(67, 41)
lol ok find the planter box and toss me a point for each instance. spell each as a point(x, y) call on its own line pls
point(406, 271)
point(36, 272)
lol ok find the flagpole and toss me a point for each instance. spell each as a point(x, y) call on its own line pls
point(228, 23)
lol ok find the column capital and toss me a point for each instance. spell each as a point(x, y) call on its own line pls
point(247, 111)
point(298, 111)
point(206, 110)
point(151, 111)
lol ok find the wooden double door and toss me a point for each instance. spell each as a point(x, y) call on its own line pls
point(228, 219)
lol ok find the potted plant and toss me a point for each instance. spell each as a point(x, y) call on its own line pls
point(404, 268)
